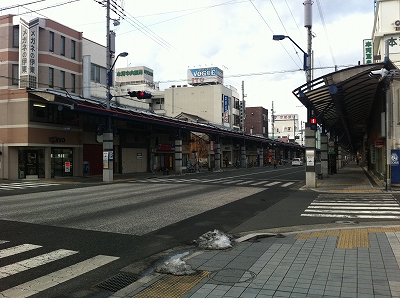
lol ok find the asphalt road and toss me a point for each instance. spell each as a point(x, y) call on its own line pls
point(127, 223)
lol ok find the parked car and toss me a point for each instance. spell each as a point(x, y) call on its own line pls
point(297, 162)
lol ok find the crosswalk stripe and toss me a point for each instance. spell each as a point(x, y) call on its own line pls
point(258, 183)
point(354, 206)
point(17, 249)
point(245, 182)
point(272, 183)
point(3, 241)
point(34, 262)
point(287, 184)
point(45, 282)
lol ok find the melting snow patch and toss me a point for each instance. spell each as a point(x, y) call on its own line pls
point(174, 267)
point(214, 240)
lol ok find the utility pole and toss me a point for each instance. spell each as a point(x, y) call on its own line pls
point(108, 136)
point(310, 135)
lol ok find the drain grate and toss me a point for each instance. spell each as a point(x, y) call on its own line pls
point(117, 282)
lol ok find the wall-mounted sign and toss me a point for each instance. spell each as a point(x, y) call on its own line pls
point(56, 140)
point(379, 143)
point(368, 51)
point(67, 167)
point(105, 159)
point(199, 76)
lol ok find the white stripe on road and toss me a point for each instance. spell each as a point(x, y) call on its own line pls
point(353, 216)
point(351, 211)
point(34, 262)
point(287, 184)
point(258, 183)
point(17, 249)
point(45, 282)
point(354, 204)
point(272, 183)
point(354, 207)
point(245, 182)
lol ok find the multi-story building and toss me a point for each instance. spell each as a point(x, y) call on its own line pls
point(38, 53)
point(256, 121)
point(286, 128)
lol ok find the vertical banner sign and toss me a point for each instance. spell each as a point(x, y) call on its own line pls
point(67, 167)
point(105, 159)
point(394, 160)
point(23, 54)
point(368, 51)
point(28, 53)
point(226, 109)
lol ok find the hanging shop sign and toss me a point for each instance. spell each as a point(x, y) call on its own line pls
point(379, 143)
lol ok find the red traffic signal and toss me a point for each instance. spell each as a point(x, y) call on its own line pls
point(140, 94)
point(313, 123)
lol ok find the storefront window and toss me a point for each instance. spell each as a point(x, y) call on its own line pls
point(31, 162)
point(61, 162)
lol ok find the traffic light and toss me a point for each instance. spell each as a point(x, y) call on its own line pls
point(140, 94)
point(313, 123)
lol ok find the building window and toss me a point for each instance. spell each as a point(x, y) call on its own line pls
point(62, 45)
point(98, 74)
point(14, 74)
point(51, 42)
point(73, 49)
point(72, 83)
point(51, 77)
point(62, 79)
point(16, 36)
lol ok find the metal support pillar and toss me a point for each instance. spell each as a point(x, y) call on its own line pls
point(178, 156)
point(324, 155)
point(217, 154)
point(243, 163)
point(260, 156)
point(310, 140)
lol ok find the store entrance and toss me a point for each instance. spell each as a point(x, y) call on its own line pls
point(61, 162)
point(31, 162)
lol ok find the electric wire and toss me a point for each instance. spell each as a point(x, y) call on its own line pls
point(284, 28)
point(321, 13)
point(272, 30)
point(19, 5)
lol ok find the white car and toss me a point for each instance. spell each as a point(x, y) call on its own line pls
point(297, 162)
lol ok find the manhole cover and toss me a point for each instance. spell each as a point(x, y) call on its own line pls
point(117, 282)
point(232, 276)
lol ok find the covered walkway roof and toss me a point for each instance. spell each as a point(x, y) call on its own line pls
point(99, 107)
point(342, 101)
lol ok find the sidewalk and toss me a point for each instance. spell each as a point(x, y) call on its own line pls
point(340, 262)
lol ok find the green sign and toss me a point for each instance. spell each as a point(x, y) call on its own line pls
point(136, 72)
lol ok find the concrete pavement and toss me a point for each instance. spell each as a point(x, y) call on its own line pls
point(319, 262)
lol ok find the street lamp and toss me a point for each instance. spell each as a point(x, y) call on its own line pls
point(310, 142)
point(108, 135)
point(305, 55)
point(110, 78)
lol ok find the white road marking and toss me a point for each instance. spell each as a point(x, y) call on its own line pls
point(287, 184)
point(45, 282)
point(354, 206)
point(34, 262)
point(17, 249)
point(272, 183)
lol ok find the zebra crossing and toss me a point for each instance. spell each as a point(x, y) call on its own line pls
point(220, 181)
point(24, 185)
point(382, 206)
point(47, 281)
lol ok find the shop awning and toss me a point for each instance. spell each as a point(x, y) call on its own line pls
point(343, 101)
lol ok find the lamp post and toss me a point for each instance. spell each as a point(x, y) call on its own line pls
point(108, 135)
point(310, 142)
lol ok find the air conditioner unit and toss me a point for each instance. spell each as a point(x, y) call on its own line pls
point(397, 23)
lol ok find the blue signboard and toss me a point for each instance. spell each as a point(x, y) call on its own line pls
point(226, 103)
point(394, 160)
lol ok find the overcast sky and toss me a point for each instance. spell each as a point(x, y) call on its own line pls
point(234, 35)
